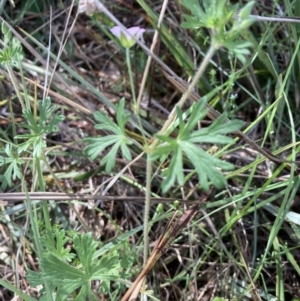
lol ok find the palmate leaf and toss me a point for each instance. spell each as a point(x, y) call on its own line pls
point(194, 7)
point(118, 139)
point(216, 131)
point(31, 140)
point(45, 124)
point(225, 22)
point(187, 144)
point(56, 246)
point(65, 278)
point(13, 169)
point(206, 165)
point(175, 165)
point(191, 22)
point(12, 53)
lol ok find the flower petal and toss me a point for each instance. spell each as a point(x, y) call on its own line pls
point(126, 37)
point(116, 31)
point(136, 31)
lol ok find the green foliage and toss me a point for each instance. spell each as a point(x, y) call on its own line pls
point(57, 247)
point(65, 278)
point(187, 143)
point(45, 124)
point(38, 127)
point(216, 16)
point(118, 139)
point(71, 263)
point(13, 171)
point(12, 52)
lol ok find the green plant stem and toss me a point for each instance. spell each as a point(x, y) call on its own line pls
point(34, 226)
point(42, 188)
point(147, 208)
point(135, 105)
point(186, 95)
point(149, 166)
point(135, 108)
point(27, 99)
point(13, 122)
point(151, 149)
point(14, 82)
point(46, 219)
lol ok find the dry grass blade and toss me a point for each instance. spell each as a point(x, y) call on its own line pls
point(174, 227)
point(55, 75)
point(60, 196)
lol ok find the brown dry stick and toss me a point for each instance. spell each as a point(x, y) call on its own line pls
point(175, 226)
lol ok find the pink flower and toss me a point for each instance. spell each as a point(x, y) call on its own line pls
point(126, 37)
